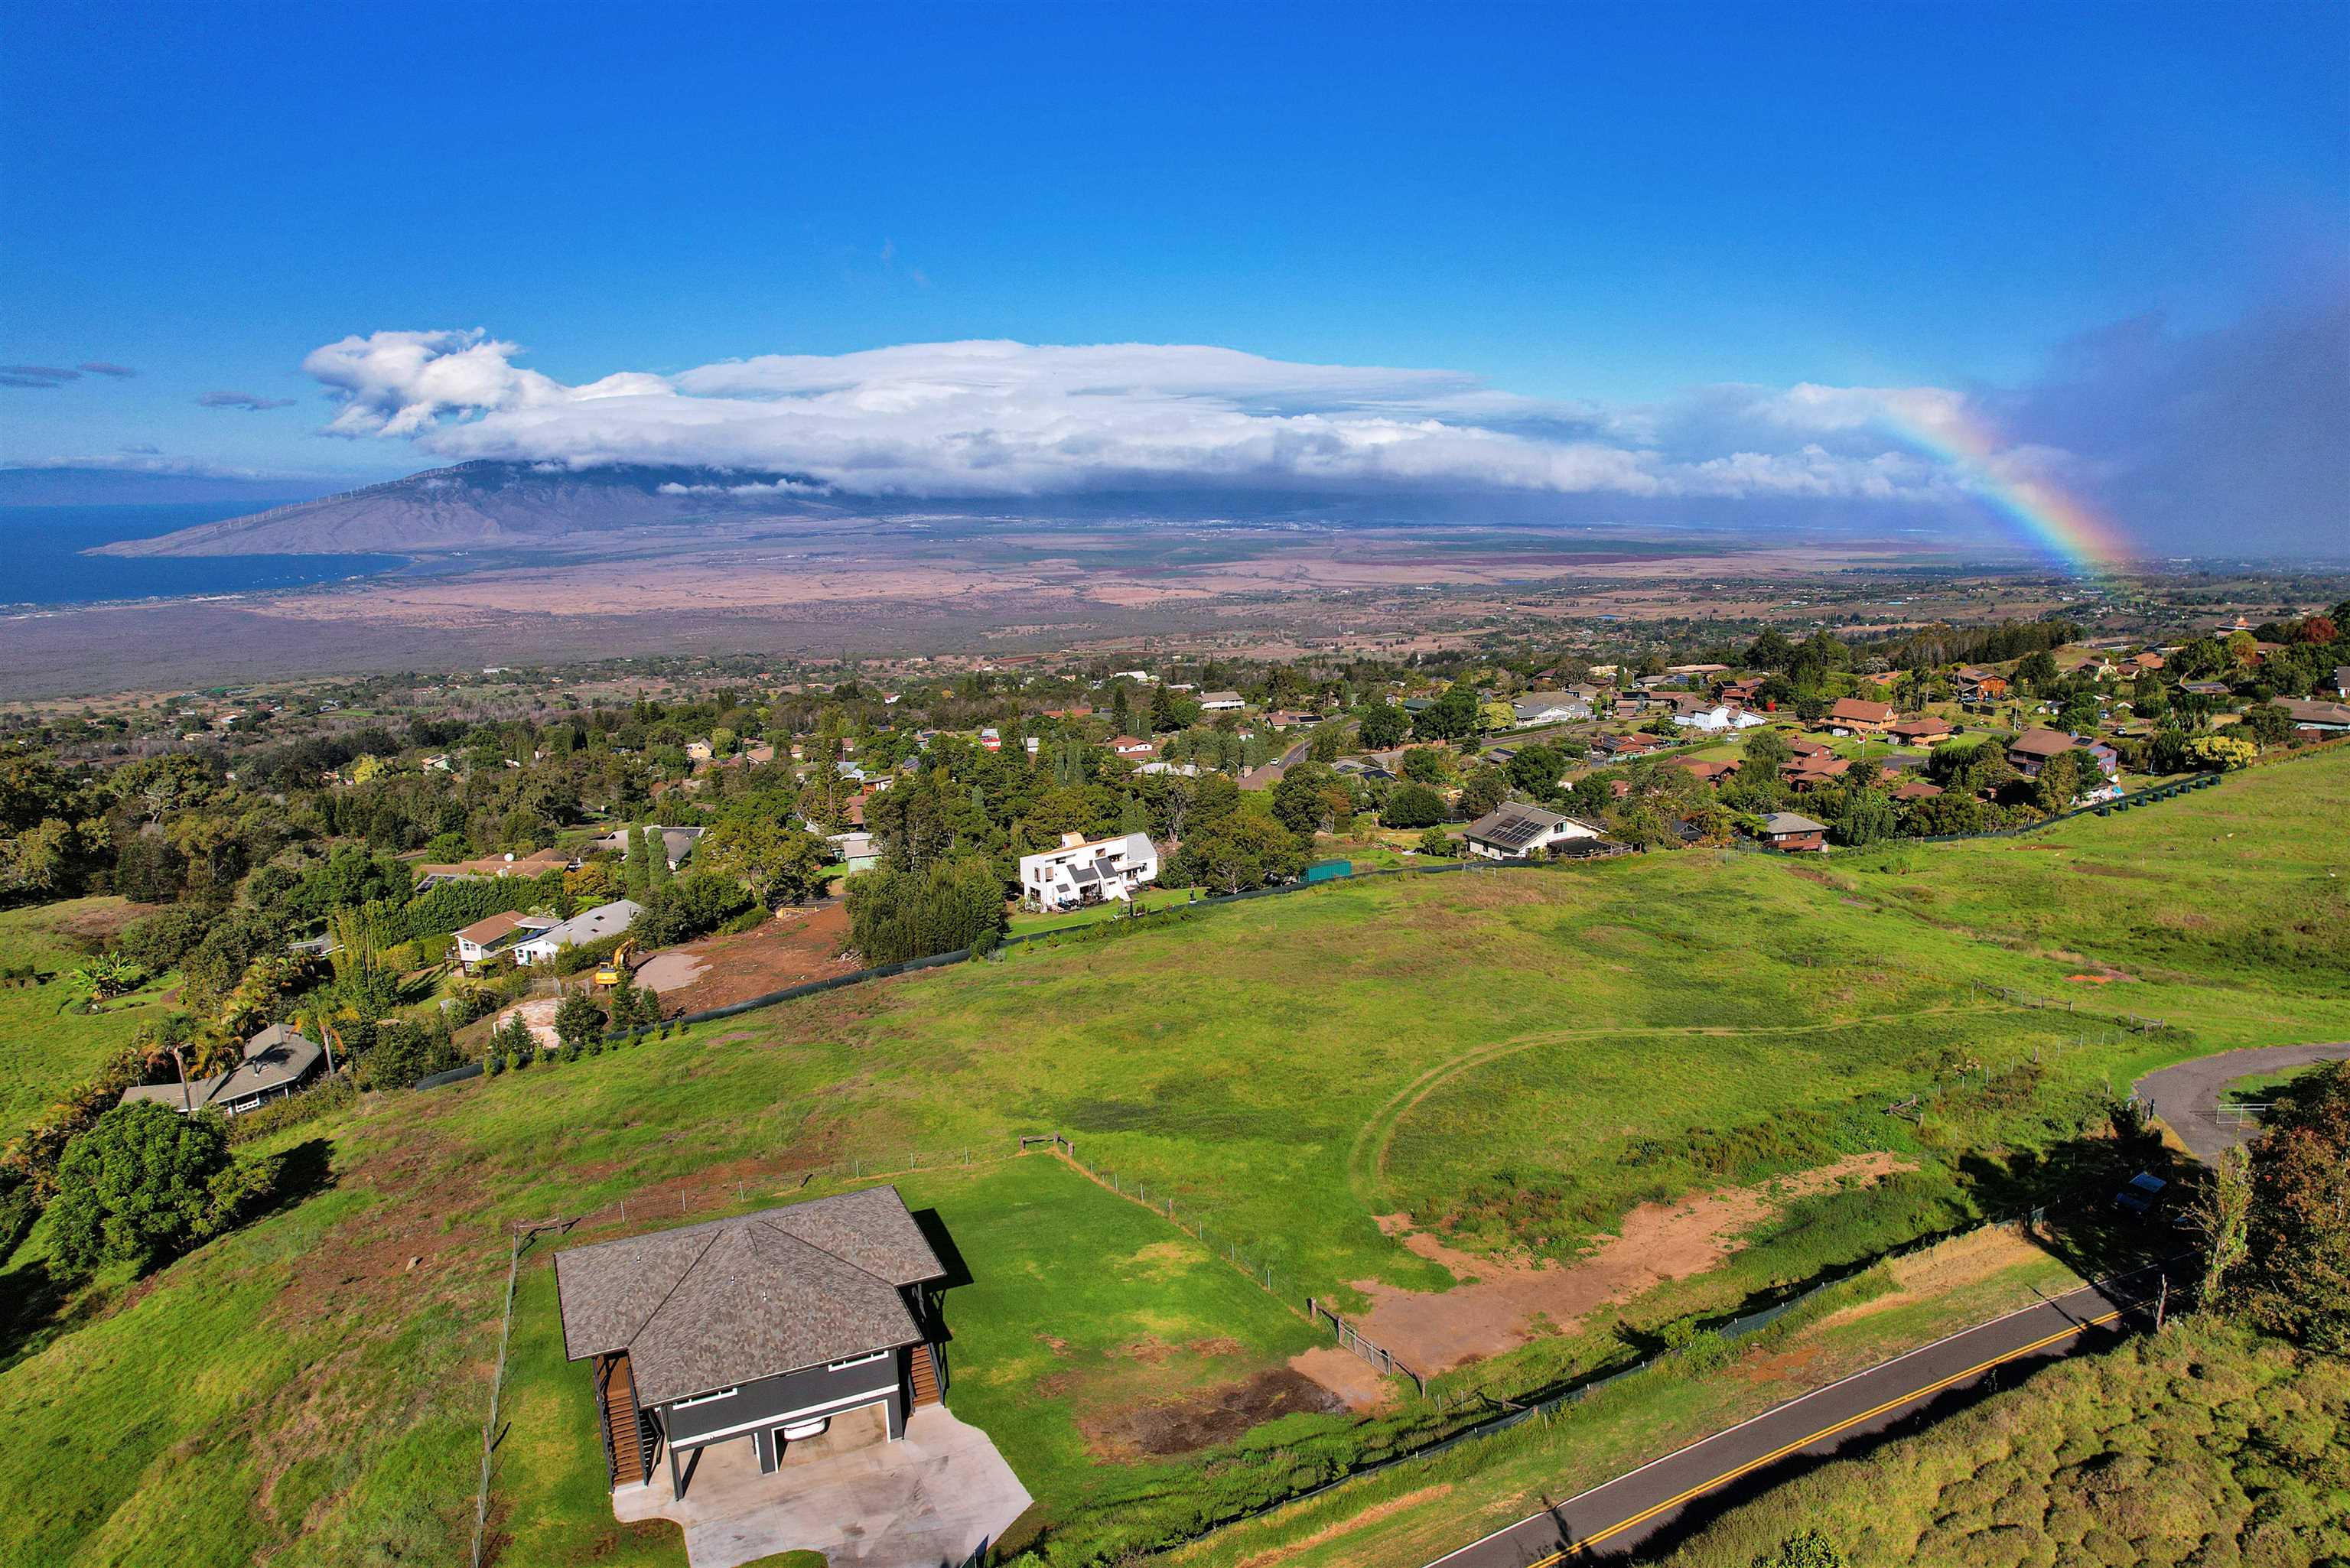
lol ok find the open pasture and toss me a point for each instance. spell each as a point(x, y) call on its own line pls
point(1286, 1071)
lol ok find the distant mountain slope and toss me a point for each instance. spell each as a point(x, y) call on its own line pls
point(474, 506)
point(66, 486)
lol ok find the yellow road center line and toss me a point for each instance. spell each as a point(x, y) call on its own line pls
point(1800, 1443)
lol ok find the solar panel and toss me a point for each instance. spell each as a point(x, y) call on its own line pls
point(1517, 833)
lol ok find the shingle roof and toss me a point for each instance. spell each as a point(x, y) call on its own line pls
point(482, 933)
point(706, 1306)
point(2043, 742)
point(1788, 822)
point(276, 1058)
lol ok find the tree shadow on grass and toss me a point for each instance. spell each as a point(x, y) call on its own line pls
point(37, 1308)
point(302, 1172)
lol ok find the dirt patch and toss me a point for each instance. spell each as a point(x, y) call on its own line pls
point(94, 928)
point(798, 946)
point(538, 1015)
point(1204, 1420)
point(1345, 1374)
point(1507, 1302)
point(1779, 1367)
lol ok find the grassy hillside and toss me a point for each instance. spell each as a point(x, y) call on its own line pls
point(1512, 1057)
point(2202, 1444)
point(45, 1051)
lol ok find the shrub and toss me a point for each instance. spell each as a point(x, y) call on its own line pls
point(579, 1021)
point(404, 1052)
point(327, 1095)
point(136, 1187)
point(495, 1062)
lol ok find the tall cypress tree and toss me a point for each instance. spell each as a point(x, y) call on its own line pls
point(633, 877)
point(656, 877)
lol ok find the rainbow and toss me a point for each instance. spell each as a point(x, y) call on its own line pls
point(2055, 522)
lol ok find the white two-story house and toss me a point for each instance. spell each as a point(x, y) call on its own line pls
point(1088, 871)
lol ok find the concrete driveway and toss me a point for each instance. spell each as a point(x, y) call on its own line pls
point(928, 1500)
point(2188, 1095)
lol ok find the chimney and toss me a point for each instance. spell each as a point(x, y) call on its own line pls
point(1071, 840)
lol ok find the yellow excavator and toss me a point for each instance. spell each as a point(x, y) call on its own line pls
point(617, 968)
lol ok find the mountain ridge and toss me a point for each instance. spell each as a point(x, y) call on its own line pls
point(485, 504)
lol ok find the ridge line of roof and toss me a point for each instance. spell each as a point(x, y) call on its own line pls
point(708, 1242)
point(817, 1247)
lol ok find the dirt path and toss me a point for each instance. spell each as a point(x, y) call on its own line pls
point(1498, 1308)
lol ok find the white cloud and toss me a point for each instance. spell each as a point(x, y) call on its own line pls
point(996, 418)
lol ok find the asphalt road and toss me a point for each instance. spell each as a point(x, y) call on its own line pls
point(2188, 1095)
point(1615, 1517)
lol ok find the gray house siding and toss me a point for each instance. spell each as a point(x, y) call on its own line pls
point(763, 1404)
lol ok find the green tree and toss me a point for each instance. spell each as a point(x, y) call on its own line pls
point(1383, 726)
point(2037, 672)
point(2223, 1215)
point(1450, 717)
point(577, 1019)
point(2297, 1266)
point(1766, 751)
point(1436, 841)
point(1866, 818)
point(1246, 850)
point(137, 1187)
point(894, 916)
point(1484, 791)
point(1427, 765)
point(2060, 781)
point(634, 878)
point(2267, 725)
point(2220, 752)
point(657, 872)
point(1536, 769)
point(781, 864)
point(1413, 805)
point(1805, 1549)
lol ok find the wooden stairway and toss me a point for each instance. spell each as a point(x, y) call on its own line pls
point(620, 1421)
point(926, 1376)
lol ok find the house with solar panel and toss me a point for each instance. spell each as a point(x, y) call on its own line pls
point(795, 1325)
point(1083, 871)
point(1517, 831)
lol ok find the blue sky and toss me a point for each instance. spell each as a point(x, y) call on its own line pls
point(1607, 205)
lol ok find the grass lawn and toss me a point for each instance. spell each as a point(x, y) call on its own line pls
point(1029, 923)
point(2258, 1088)
point(1511, 1056)
point(45, 1051)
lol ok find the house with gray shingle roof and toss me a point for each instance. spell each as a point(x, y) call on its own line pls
point(764, 1326)
point(277, 1061)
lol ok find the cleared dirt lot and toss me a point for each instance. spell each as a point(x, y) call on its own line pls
point(798, 945)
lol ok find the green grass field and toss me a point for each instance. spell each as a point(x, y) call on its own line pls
point(45, 1051)
point(1514, 1056)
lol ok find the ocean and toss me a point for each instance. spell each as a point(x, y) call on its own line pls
point(41, 563)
